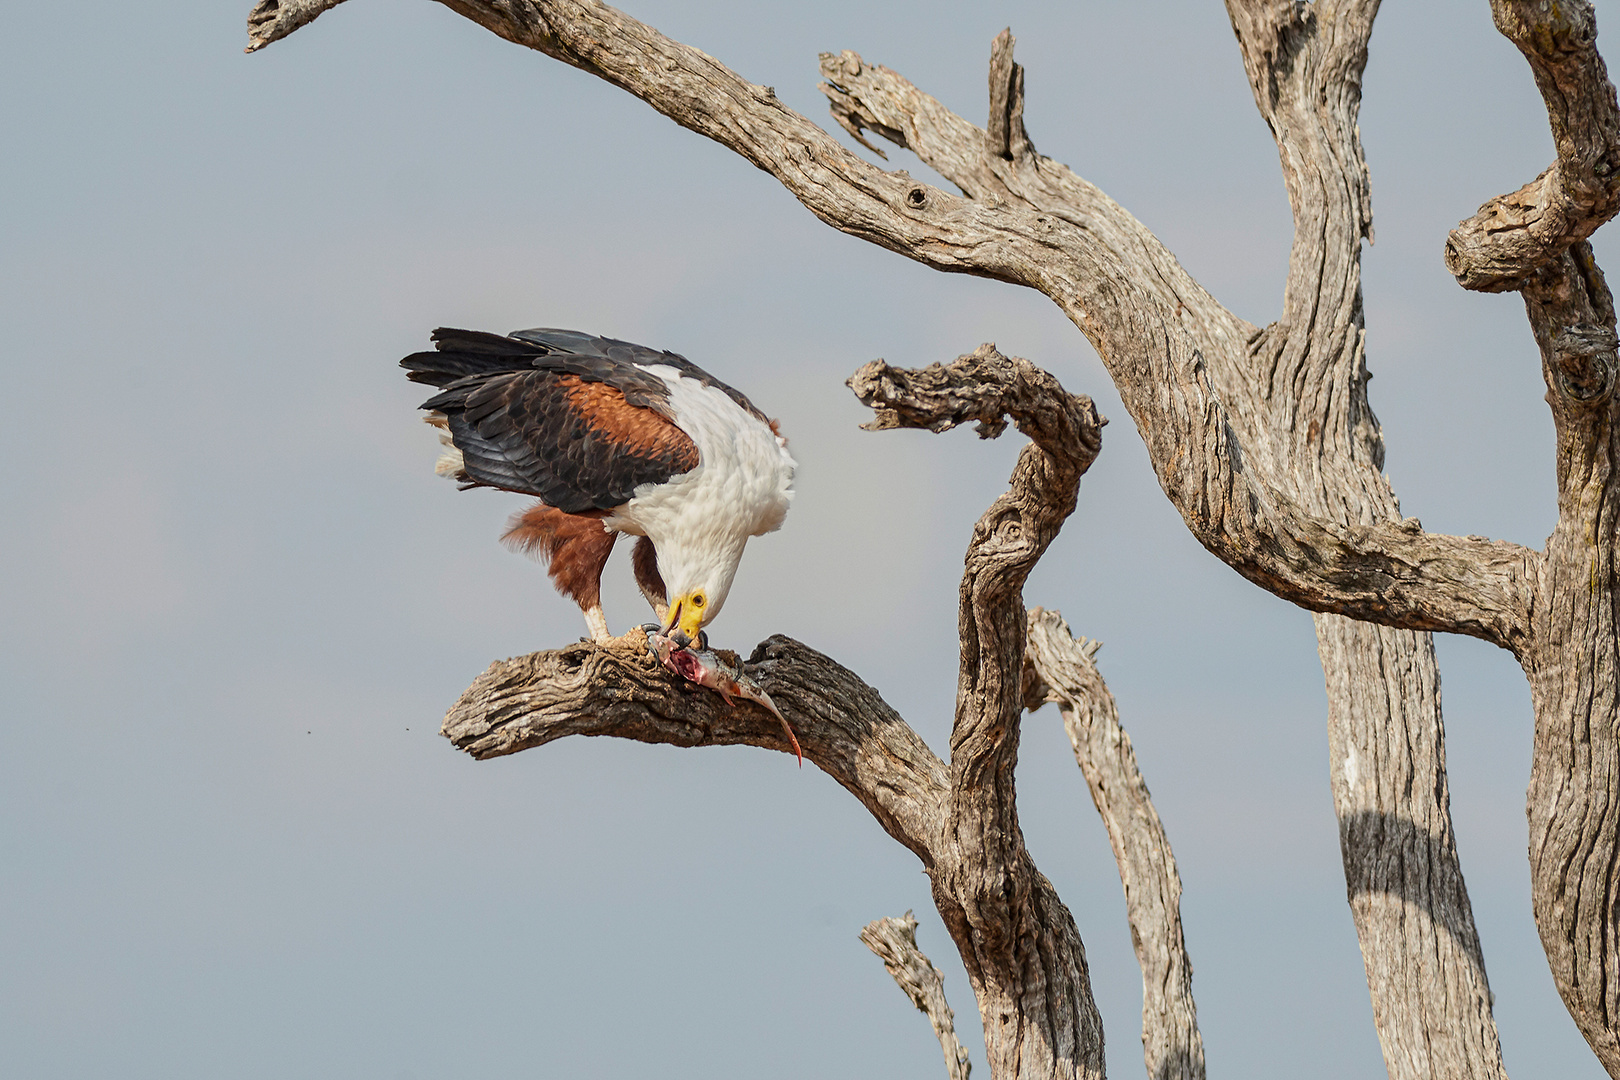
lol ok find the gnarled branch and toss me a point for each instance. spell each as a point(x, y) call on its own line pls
point(1011, 536)
point(1175, 353)
point(1514, 235)
point(1001, 911)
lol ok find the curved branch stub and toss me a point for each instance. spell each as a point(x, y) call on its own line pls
point(272, 20)
point(1514, 235)
point(983, 387)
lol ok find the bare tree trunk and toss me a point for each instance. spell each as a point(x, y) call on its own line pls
point(1425, 971)
point(1386, 749)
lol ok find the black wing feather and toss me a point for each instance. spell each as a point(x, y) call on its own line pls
point(506, 401)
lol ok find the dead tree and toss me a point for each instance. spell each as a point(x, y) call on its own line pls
point(1263, 439)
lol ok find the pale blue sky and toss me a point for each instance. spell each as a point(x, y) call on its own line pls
point(238, 601)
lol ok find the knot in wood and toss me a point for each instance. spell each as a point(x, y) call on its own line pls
point(1584, 360)
point(917, 197)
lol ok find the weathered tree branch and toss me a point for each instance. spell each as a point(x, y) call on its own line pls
point(1533, 240)
point(1292, 409)
point(1225, 454)
point(844, 726)
point(1514, 235)
point(1061, 669)
point(895, 943)
point(271, 20)
point(1261, 438)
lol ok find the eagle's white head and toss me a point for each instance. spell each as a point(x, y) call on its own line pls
point(698, 578)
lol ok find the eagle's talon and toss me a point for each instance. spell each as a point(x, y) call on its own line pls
point(702, 668)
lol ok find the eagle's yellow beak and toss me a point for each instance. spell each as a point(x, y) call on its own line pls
point(686, 615)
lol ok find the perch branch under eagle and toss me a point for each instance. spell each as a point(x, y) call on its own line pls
point(612, 438)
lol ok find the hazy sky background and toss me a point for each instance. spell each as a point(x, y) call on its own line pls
point(237, 600)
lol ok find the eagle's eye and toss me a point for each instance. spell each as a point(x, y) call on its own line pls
point(697, 599)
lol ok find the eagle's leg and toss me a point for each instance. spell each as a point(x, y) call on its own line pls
point(596, 622)
point(644, 560)
point(575, 548)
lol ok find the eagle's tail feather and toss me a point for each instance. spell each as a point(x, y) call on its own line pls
point(462, 353)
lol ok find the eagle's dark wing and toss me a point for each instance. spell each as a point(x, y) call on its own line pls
point(580, 428)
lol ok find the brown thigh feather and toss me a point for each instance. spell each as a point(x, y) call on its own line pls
point(574, 548)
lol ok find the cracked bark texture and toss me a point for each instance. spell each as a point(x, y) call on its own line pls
point(1308, 385)
point(1575, 774)
point(1263, 440)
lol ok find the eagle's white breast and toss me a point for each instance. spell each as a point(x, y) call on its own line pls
point(742, 486)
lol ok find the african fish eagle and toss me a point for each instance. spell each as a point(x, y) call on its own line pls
point(613, 438)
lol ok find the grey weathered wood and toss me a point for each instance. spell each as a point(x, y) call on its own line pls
point(894, 941)
point(1308, 422)
point(844, 726)
point(1533, 240)
point(271, 20)
point(1062, 669)
point(1305, 399)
